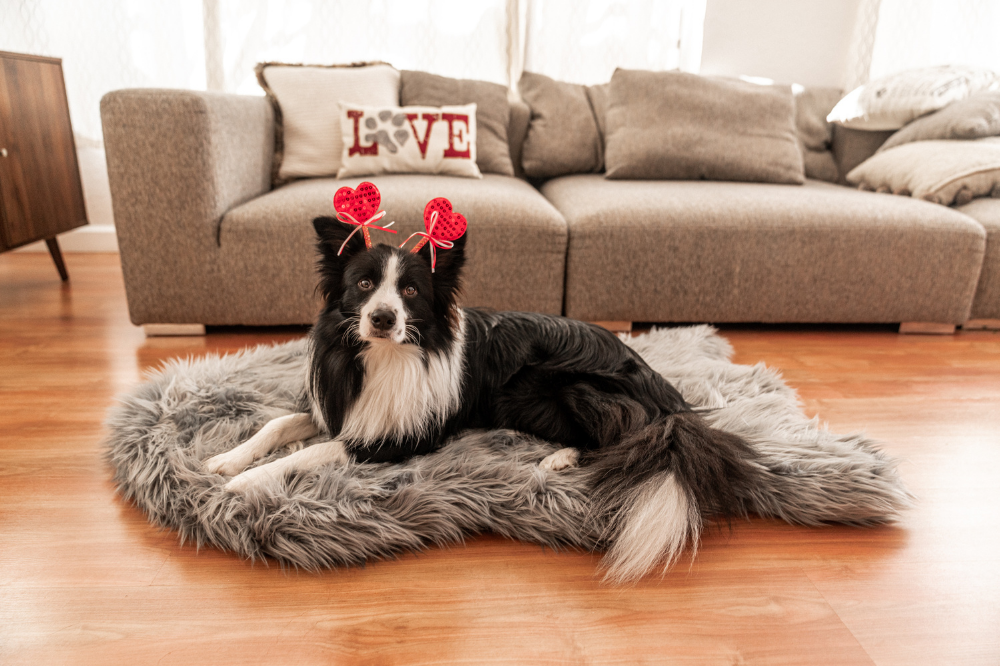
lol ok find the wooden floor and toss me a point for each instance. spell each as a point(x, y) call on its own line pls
point(85, 580)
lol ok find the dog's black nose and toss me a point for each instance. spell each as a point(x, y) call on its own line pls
point(383, 320)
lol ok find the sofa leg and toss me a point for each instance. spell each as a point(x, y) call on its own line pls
point(615, 326)
point(160, 330)
point(981, 325)
point(926, 328)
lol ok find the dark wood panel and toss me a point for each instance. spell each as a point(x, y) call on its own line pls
point(39, 177)
point(29, 56)
point(4, 245)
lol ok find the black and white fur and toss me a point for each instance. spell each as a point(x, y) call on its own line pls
point(397, 368)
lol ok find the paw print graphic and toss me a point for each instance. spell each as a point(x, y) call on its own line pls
point(380, 128)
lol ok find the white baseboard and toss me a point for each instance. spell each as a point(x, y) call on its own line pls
point(91, 238)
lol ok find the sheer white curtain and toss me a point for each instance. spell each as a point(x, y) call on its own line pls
point(583, 41)
point(458, 38)
point(109, 44)
point(895, 35)
point(214, 44)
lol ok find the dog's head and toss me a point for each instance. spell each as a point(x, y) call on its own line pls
point(388, 295)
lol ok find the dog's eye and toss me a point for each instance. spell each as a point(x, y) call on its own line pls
point(410, 291)
point(365, 284)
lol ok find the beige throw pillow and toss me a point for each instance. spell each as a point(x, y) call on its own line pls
point(680, 126)
point(974, 118)
point(306, 97)
point(411, 139)
point(891, 102)
point(945, 172)
point(492, 112)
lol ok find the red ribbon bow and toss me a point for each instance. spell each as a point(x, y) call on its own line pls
point(427, 236)
point(363, 227)
point(443, 225)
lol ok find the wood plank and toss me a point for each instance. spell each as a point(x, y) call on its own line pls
point(982, 325)
point(926, 328)
point(615, 326)
point(84, 578)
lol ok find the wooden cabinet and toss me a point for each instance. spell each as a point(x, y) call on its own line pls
point(40, 191)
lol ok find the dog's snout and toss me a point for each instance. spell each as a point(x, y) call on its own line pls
point(383, 320)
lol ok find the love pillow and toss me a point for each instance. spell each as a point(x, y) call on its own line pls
point(409, 139)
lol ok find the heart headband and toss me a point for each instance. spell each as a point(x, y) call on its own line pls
point(443, 227)
point(359, 207)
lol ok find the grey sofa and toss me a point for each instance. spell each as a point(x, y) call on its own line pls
point(204, 239)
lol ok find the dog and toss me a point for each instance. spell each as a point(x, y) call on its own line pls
point(396, 368)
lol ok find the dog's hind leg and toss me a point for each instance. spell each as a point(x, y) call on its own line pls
point(310, 457)
point(275, 433)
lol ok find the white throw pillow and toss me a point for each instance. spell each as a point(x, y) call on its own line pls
point(891, 102)
point(946, 172)
point(410, 139)
point(310, 124)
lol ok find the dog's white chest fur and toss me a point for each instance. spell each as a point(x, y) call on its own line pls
point(401, 394)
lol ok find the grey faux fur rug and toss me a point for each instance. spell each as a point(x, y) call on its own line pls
point(481, 482)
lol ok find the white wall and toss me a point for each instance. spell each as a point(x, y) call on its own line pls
point(790, 41)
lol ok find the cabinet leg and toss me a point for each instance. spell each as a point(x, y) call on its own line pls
point(56, 253)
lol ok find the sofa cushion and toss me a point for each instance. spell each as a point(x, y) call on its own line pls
point(851, 147)
point(516, 240)
point(307, 120)
point(973, 118)
point(987, 302)
point(892, 101)
point(408, 139)
point(710, 251)
point(520, 117)
point(598, 96)
point(944, 172)
point(675, 125)
point(563, 136)
point(815, 133)
point(492, 112)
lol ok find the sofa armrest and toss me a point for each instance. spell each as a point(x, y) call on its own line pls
point(177, 161)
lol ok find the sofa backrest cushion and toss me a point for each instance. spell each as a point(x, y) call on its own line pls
point(851, 147)
point(517, 130)
point(812, 105)
point(679, 126)
point(307, 119)
point(492, 112)
point(564, 136)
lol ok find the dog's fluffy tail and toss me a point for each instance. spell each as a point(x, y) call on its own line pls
point(653, 488)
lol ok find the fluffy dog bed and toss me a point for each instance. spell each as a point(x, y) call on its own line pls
point(481, 482)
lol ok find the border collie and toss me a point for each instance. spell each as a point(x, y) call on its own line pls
point(397, 368)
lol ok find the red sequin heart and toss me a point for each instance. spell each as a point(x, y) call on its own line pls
point(361, 204)
point(449, 225)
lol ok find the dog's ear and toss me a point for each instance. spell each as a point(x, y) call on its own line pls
point(447, 275)
point(331, 234)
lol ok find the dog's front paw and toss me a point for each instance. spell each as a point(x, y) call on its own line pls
point(251, 479)
point(561, 459)
point(229, 463)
